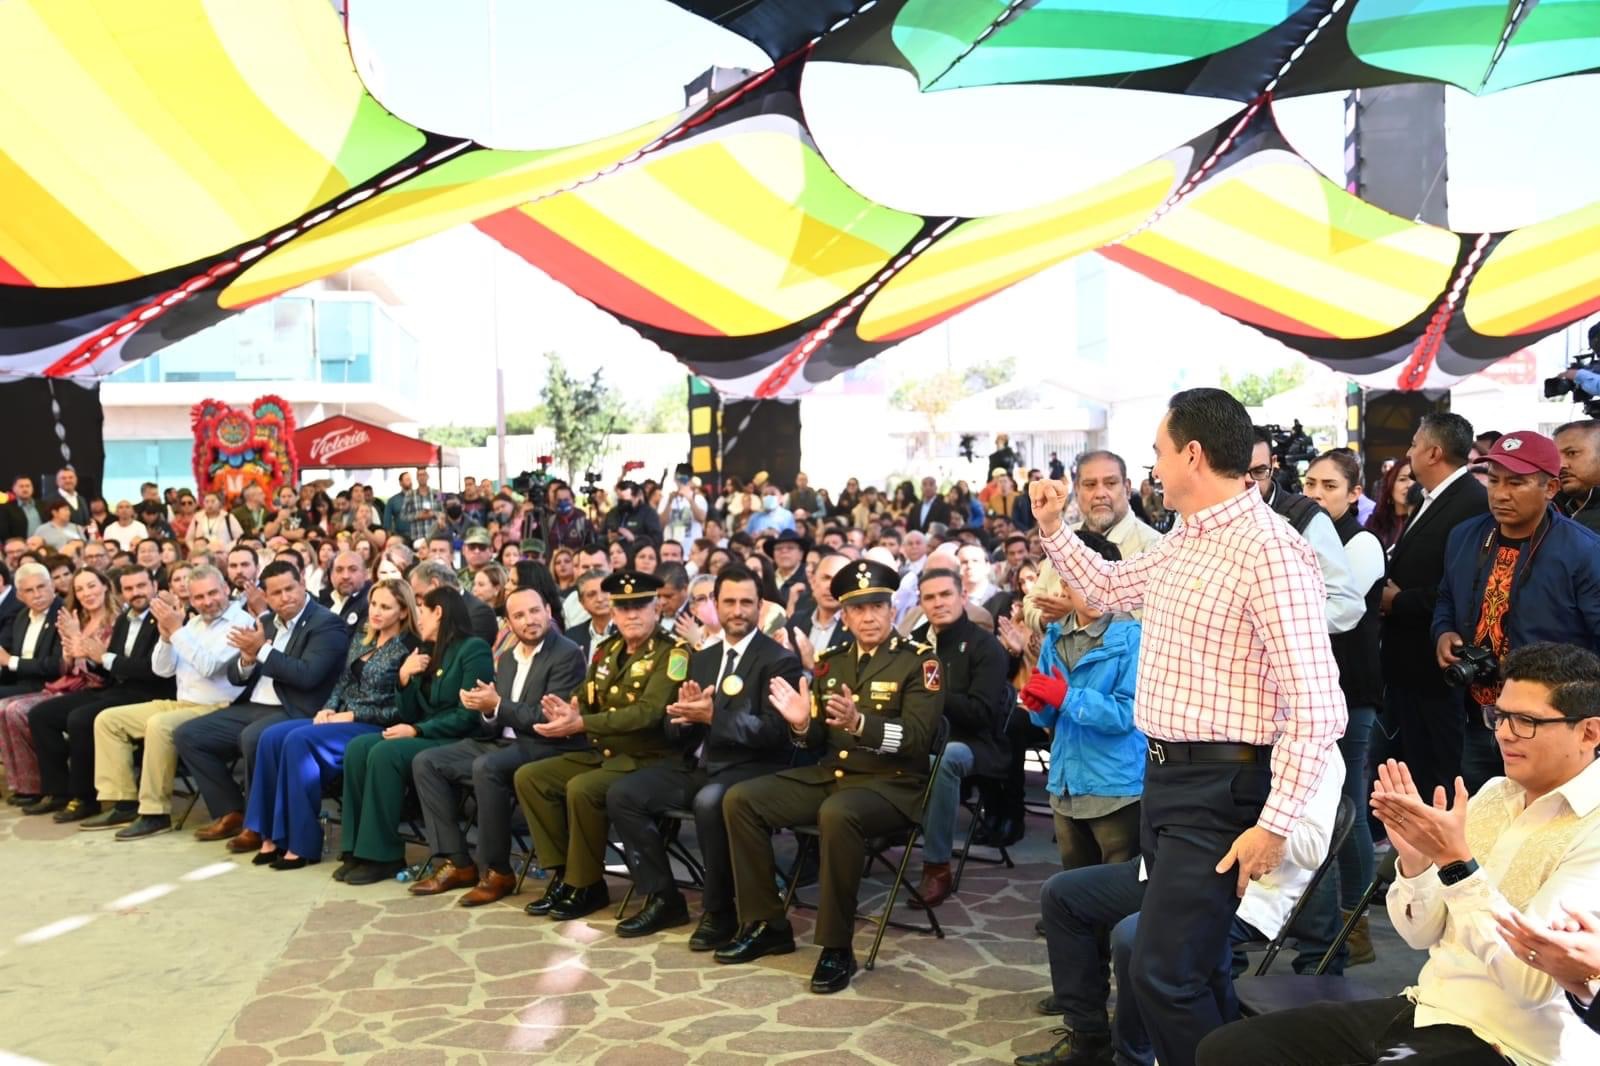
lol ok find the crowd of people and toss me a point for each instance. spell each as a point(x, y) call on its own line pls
point(1210, 664)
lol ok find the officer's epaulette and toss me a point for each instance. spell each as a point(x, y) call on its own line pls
point(605, 646)
point(920, 648)
point(833, 649)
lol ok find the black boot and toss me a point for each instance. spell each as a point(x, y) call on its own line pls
point(1073, 1049)
point(661, 910)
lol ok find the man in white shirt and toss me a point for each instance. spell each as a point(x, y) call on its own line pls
point(67, 489)
point(31, 642)
point(126, 531)
point(198, 654)
point(1527, 843)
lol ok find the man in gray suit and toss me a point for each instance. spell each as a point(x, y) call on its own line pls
point(543, 662)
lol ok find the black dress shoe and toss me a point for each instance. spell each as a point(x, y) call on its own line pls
point(554, 890)
point(661, 910)
point(46, 805)
point(146, 825)
point(756, 940)
point(110, 818)
point(266, 858)
point(347, 862)
point(833, 971)
point(713, 932)
point(1050, 1005)
point(21, 799)
point(299, 862)
point(370, 873)
point(578, 903)
point(76, 811)
point(1073, 1049)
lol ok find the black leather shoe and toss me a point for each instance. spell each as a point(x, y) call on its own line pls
point(347, 862)
point(578, 903)
point(110, 818)
point(76, 811)
point(553, 890)
point(266, 858)
point(21, 799)
point(146, 825)
point(283, 862)
point(833, 971)
point(713, 932)
point(758, 939)
point(46, 805)
point(1050, 1005)
point(661, 910)
point(370, 873)
point(1073, 1049)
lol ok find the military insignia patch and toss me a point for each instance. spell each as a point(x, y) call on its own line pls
point(930, 675)
point(822, 669)
point(677, 664)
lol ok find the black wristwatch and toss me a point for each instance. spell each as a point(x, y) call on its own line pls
point(1457, 872)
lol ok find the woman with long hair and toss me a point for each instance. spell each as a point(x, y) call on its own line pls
point(429, 713)
point(644, 556)
point(1392, 510)
point(296, 760)
point(904, 501)
point(489, 586)
point(564, 569)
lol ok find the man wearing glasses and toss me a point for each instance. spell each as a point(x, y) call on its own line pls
point(1490, 887)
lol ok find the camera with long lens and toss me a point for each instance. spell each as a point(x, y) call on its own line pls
point(1559, 386)
point(1292, 447)
point(1474, 665)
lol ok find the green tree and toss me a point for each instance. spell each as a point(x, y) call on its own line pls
point(458, 436)
point(522, 423)
point(581, 415)
point(669, 413)
point(1253, 389)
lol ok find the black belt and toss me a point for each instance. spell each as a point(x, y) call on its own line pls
point(1165, 751)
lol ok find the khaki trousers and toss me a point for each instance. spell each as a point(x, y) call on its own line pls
point(114, 733)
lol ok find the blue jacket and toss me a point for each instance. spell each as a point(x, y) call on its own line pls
point(1095, 749)
point(1556, 597)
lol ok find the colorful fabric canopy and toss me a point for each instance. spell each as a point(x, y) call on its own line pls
point(168, 163)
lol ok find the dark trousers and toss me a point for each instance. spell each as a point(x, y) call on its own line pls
point(208, 743)
point(375, 775)
point(63, 738)
point(636, 803)
point(846, 817)
point(1345, 1034)
point(296, 760)
point(1480, 753)
point(1080, 906)
point(1192, 813)
point(1130, 1040)
point(488, 766)
point(1431, 726)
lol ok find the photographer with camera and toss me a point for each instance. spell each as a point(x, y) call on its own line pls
point(1579, 445)
point(1522, 574)
point(632, 519)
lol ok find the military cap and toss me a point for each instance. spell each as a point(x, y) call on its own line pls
point(630, 586)
point(477, 535)
point(865, 581)
point(533, 545)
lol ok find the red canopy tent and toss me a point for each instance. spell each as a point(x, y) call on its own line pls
point(342, 442)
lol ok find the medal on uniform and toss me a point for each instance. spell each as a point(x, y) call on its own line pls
point(731, 685)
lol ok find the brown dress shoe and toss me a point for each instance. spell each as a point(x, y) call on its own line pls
point(248, 840)
point(935, 886)
point(445, 878)
point(492, 886)
point(223, 828)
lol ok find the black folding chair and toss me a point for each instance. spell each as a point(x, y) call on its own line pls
point(977, 811)
point(191, 789)
point(1342, 821)
point(809, 837)
point(670, 824)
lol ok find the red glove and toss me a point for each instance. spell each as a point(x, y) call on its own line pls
point(1044, 690)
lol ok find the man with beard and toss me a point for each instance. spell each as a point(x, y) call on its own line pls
point(1579, 444)
point(632, 519)
point(346, 594)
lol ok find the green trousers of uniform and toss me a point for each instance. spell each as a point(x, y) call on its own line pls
point(847, 817)
point(376, 772)
point(564, 800)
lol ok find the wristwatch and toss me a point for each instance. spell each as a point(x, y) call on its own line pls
point(1457, 872)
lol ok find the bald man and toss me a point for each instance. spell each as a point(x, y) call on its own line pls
point(345, 593)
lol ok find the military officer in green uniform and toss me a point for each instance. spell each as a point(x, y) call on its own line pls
point(872, 709)
point(621, 707)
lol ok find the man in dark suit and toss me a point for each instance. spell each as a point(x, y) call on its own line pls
point(931, 509)
point(20, 515)
point(431, 574)
point(63, 728)
point(30, 653)
point(821, 624)
point(725, 723)
point(288, 663)
point(1431, 717)
point(10, 604)
point(346, 591)
point(543, 662)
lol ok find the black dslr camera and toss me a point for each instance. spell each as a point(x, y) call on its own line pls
point(1475, 665)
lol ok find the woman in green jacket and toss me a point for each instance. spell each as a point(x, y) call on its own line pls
point(377, 766)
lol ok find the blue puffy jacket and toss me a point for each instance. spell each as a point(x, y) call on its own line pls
point(1094, 748)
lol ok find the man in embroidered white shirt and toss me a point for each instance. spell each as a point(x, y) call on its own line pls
point(1521, 852)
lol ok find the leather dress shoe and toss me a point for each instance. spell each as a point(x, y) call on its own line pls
point(146, 825)
point(833, 971)
point(224, 828)
point(554, 890)
point(492, 886)
point(21, 799)
point(46, 805)
point(370, 873)
point(1050, 1005)
point(299, 862)
point(578, 903)
point(110, 818)
point(445, 878)
point(1073, 1049)
point(76, 811)
point(347, 862)
point(247, 840)
point(713, 932)
point(756, 940)
point(935, 887)
point(661, 910)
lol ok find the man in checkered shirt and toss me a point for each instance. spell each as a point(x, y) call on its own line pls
point(1238, 694)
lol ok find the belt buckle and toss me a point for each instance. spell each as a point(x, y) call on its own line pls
point(1157, 752)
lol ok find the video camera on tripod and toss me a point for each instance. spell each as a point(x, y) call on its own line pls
point(1561, 385)
point(1291, 447)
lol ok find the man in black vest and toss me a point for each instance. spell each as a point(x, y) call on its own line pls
point(725, 722)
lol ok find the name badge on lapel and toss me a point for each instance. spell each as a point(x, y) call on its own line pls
point(883, 690)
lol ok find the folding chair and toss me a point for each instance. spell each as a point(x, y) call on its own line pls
point(671, 824)
point(1263, 995)
point(977, 811)
point(1342, 821)
point(809, 837)
point(192, 790)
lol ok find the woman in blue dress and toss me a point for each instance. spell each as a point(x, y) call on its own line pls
point(297, 758)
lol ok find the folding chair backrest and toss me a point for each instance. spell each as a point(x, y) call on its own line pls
point(1381, 879)
point(941, 737)
point(1342, 822)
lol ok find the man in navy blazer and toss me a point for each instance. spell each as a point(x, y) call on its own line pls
point(288, 663)
point(729, 732)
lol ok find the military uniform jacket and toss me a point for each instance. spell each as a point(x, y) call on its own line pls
point(901, 699)
point(624, 699)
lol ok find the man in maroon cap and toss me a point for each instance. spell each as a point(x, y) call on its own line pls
point(1521, 574)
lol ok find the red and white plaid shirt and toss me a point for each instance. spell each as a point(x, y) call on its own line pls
point(1235, 646)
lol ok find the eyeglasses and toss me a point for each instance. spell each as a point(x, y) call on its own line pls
point(1523, 726)
point(1259, 473)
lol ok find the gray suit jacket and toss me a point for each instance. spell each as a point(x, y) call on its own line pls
point(558, 669)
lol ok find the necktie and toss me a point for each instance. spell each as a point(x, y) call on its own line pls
point(727, 667)
point(861, 666)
